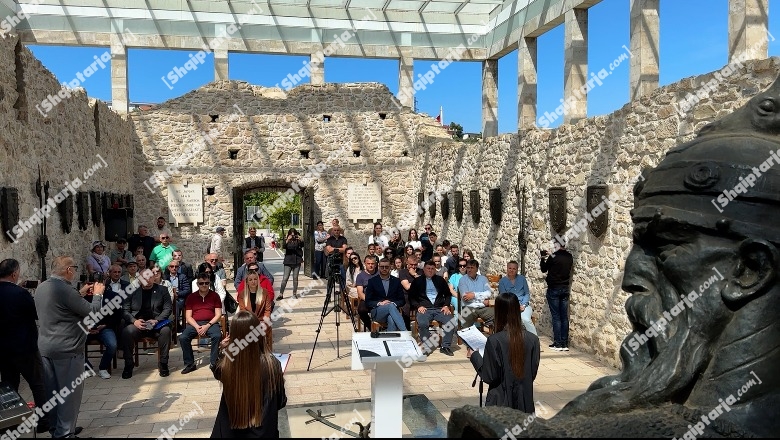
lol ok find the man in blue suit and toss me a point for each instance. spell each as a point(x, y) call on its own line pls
point(384, 296)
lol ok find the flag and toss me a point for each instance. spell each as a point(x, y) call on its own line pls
point(438, 119)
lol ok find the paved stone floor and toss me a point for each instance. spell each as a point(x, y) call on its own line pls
point(146, 404)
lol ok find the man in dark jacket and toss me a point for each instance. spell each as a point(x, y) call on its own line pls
point(384, 296)
point(107, 328)
point(558, 269)
point(143, 310)
point(19, 344)
point(430, 296)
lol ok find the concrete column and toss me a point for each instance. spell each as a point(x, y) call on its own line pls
point(119, 85)
point(526, 83)
point(489, 98)
point(317, 69)
point(748, 29)
point(645, 28)
point(575, 69)
point(406, 78)
point(220, 64)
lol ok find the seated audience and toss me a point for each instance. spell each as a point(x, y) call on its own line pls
point(106, 330)
point(430, 297)
point(98, 261)
point(257, 297)
point(475, 292)
point(517, 285)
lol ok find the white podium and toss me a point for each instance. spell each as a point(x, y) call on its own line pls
point(387, 377)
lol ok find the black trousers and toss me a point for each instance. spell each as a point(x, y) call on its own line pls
point(29, 366)
point(131, 335)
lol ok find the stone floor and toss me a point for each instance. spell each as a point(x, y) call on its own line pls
point(147, 405)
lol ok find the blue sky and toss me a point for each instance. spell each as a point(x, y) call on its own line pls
point(694, 35)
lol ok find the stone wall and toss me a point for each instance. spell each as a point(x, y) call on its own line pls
point(268, 130)
point(611, 150)
point(77, 136)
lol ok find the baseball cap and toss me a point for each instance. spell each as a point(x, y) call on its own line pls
point(220, 229)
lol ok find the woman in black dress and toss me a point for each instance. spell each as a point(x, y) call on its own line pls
point(253, 384)
point(511, 359)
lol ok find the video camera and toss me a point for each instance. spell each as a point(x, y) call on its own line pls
point(335, 260)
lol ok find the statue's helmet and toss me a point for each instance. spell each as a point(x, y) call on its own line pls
point(727, 179)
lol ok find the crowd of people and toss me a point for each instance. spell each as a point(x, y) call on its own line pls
point(144, 288)
point(421, 280)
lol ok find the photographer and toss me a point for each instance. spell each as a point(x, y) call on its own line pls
point(335, 248)
point(558, 268)
point(293, 258)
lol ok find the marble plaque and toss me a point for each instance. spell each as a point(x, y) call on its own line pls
point(185, 203)
point(365, 201)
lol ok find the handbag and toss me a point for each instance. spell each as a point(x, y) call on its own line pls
point(230, 304)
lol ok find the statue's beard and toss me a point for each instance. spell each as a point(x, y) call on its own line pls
point(662, 369)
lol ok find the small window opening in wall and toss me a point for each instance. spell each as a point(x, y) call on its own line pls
point(356, 153)
point(210, 190)
point(233, 154)
point(304, 154)
point(326, 118)
point(214, 118)
point(382, 115)
point(405, 153)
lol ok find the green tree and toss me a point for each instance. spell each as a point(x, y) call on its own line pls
point(457, 130)
point(280, 218)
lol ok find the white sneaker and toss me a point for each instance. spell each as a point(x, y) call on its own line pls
point(104, 374)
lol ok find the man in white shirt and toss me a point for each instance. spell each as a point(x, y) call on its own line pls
point(475, 292)
point(216, 242)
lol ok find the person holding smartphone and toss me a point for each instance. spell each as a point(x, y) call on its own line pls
point(293, 258)
point(558, 268)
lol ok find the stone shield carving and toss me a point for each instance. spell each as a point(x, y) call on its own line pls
point(65, 209)
point(94, 207)
point(474, 205)
point(595, 195)
point(9, 210)
point(421, 204)
point(557, 197)
point(431, 202)
point(458, 206)
point(82, 209)
point(445, 206)
point(496, 205)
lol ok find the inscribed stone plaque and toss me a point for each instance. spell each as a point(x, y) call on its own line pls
point(185, 203)
point(365, 201)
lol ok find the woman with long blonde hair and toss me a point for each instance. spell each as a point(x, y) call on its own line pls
point(256, 296)
point(252, 384)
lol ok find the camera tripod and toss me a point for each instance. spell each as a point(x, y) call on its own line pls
point(333, 291)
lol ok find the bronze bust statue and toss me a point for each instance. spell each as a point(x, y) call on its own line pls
point(704, 351)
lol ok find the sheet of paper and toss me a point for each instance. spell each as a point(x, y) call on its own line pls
point(474, 338)
point(284, 359)
point(371, 347)
point(400, 348)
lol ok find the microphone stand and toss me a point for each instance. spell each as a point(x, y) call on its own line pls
point(481, 387)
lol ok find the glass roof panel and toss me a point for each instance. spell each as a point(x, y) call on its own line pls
point(379, 22)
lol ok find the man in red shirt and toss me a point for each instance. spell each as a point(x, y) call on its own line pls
point(202, 311)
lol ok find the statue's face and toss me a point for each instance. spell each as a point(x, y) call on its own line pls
point(670, 259)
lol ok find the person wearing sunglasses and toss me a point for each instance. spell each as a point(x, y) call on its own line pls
point(384, 298)
point(202, 312)
point(162, 254)
point(351, 272)
point(454, 279)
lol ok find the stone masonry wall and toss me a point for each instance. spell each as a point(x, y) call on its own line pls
point(64, 144)
point(610, 149)
point(269, 130)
